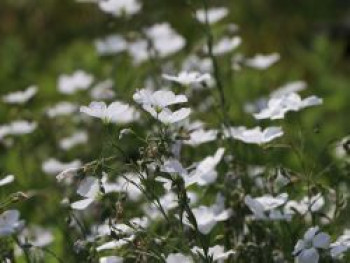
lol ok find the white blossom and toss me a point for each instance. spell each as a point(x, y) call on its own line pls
point(10, 223)
point(110, 45)
point(103, 90)
point(307, 249)
point(20, 97)
point(262, 62)
point(214, 15)
point(255, 135)
point(187, 78)
point(277, 107)
point(120, 7)
point(177, 258)
point(54, 167)
point(208, 216)
point(164, 39)
point(116, 112)
point(80, 137)
point(217, 252)
point(79, 80)
point(111, 259)
point(341, 245)
point(226, 45)
point(156, 104)
point(62, 109)
point(7, 180)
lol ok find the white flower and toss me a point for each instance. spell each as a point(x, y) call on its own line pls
point(7, 180)
point(156, 104)
point(103, 90)
point(164, 39)
point(37, 236)
point(128, 184)
point(187, 78)
point(67, 174)
point(112, 44)
point(10, 223)
point(200, 136)
point(20, 97)
point(21, 127)
point(53, 166)
point(116, 112)
point(291, 87)
point(217, 252)
point(255, 135)
point(177, 258)
point(264, 207)
point(341, 245)
point(111, 259)
point(214, 14)
point(79, 80)
point(120, 7)
point(205, 172)
point(89, 188)
point(262, 61)
point(306, 249)
point(138, 50)
point(226, 45)
point(208, 216)
point(313, 204)
point(61, 109)
point(277, 107)
point(77, 138)
point(168, 201)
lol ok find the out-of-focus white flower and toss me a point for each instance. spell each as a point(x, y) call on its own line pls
point(313, 204)
point(255, 135)
point(306, 249)
point(61, 109)
point(164, 39)
point(103, 90)
point(277, 107)
point(111, 259)
point(129, 184)
point(262, 61)
point(341, 245)
point(205, 172)
point(20, 97)
point(201, 136)
point(177, 258)
point(291, 87)
point(208, 216)
point(168, 201)
point(226, 45)
point(187, 78)
point(89, 188)
point(77, 138)
point(217, 252)
point(54, 167)
point(7, 180)
point(67, 174)
point(115, 243)
point(156, 104)
point(18, 127)
point(120, 7)
point(37, 236)
point(79, 80)
point(264, 207)
point(10, 223)
point(214, 15)
point(139, 51)
point(110, 45)
point(195, 63)
point(116, 112)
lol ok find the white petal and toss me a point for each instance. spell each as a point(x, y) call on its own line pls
point(308, 256)
point(321, 240)
point(82, 204)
